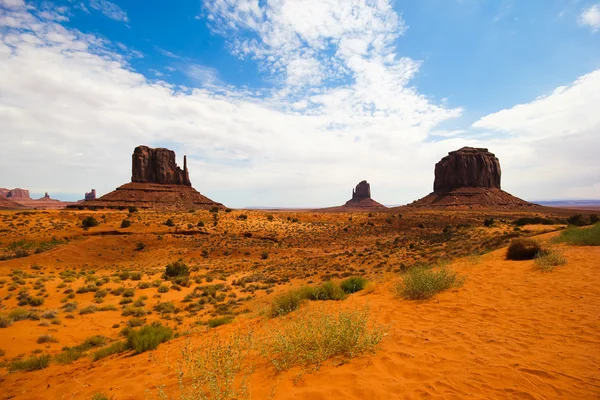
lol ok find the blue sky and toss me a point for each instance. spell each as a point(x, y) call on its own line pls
point(291, 103)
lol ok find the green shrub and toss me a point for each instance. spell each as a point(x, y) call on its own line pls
point(534, 221)
point(135, 322)
point(314, 336)
point(32, 363)
point(581, 236)
point(576, 220)
point(264, 255)
point(488, 222)
point(285, 304)
point(125, 223)
point(353, 284)
point(214, 322)
point(329, 291)
point(421, 283)
point(177, 268)
point(140, 246)
point(594, 219)
point(69, 355)
point(134, 311)
point(101, 396)
point(523, 249)
point(115, 348)
point(148, 337)
point(169, 222)
point(89, 222)
point(132, 209)
point(36, 301)
point(166, 307)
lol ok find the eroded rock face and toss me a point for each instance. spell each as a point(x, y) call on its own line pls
point(468, 167)
point(16, 194)
point(362, 191)
point(158, 166)
point(91, 195)
point(4, 192)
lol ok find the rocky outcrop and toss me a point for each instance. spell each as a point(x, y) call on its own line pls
point(467, 167)
point(91, 195)
point(361, 198)
point(17, 194)
point(156, 183)
point(4, 192)
point(362, 191)
point(158, 166)
point(469, 178)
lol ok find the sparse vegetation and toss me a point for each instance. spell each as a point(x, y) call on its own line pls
point(148, 337)
point(311, 337)
point(581, 236)
point(546, 261)
point(89, 222)
point(32, 363)
point(421, 283)
point(523, 249)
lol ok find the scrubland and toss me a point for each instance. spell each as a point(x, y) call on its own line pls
point(277, 304)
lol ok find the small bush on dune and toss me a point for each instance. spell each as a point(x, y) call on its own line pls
point(353, 284)
point(177, 268)
point(314, 336)
point(69, 355)
point(214, 322)
point(89, 222)
point(422, 283)
point(285, 304)
point(32, 363)
point(5, 321)
point(523, 249)
point(548, 260)
point(148, 337)
point(216, 370)
point(47, 339)
point(125, 223)
point(581, 236)
point(115, 348)
point(329, 291)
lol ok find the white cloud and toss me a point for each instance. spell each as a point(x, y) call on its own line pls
point(551, 147)
point(591, 17)
point(111, 10)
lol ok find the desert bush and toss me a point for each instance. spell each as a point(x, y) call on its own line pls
point(264, 255)
point(594, 219)
point(523, 249)
point(88, 310)
point(46, 339)
point(140, 246)
point(148, 337)
point(5, 321)
point(169, 222)
point(576, 220)
point(135, 322)
point(214, 322)
point(166, 308)
point(20, 314)
point(488, 222)
point(329, 291)
point(548, 260)
point(177, 268)
point(216, 370)
point(32, 363)
point(581, 236)
point(125, 223)
point(314, 336)
point(101, 396)
point(132, 209)
point(421, 283)
point(134, 311)
point(36, 301)
point(163, 289)
point(534, 221)
point(353, 284)
point(69, 355)
point(285, 304)
point(115, 348)
point(89, 222)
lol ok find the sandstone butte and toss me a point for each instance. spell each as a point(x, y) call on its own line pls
point(156, 183)
point(22, 198)
point(361, 197)
point(469, 177)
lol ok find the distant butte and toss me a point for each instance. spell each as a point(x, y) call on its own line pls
point(156, 183)
point(469, 177)
point(361, 197)
point(22, 198)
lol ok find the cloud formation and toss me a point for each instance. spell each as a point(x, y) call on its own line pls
point(591, 17)
point(111, 10)
point(72, 109)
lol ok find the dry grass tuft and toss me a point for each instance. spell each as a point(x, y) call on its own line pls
point(421, 283)
point(310, 337)
point(548, 260)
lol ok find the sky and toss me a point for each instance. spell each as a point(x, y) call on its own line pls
point(290, 103)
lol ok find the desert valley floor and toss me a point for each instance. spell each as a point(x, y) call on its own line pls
point(507, 330)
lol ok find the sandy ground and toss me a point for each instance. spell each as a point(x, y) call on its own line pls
point(510, 332)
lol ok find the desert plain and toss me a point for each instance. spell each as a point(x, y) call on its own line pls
point(71, 294)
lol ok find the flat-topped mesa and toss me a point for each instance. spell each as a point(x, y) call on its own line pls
point(91, 195)
point(468, 167)
point(158, 166)
point(362, 191)
point(17, 194)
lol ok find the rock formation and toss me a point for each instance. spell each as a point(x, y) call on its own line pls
point(8, 204)
point(91, 195)
point(469, 177)
point(361, 198)
point(16, 194)
point(158, 166)
point(4, 192)
point(467, 167)
point(156, 182)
